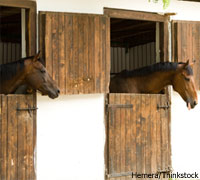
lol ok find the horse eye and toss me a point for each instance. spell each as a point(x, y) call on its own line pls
point(42, 71)
point(187, 79)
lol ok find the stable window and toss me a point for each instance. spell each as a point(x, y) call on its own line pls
point(138, 125)
point(17, 112)
point(11, 34)
point(134, 44)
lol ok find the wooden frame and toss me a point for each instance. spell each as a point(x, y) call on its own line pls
point(139, 15)
point(164, 56)
point(30, 7)
point(31, 13)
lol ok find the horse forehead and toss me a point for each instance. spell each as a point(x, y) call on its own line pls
point(38, 65)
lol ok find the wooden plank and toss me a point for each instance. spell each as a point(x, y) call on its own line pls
point(48, 44)
point(128, 132)
point(4, 135)
point(103, 53)
point(80, 53)
point(111, 137)
point(22, 151)
point(107, 59)
point(138, 136)
point(164, 135)
point(54, 46)
point(12, 138)
point(68, 31)
point(29, 137)
point(195, 54)
point(75, 64)
point(91, 63)
point(127, 14)
point(87, 80)
point(97, 53)
point(154, 119)
point(118, 135)
point(148, 138)
point(61, 55)
point(143, 119)
point(158, 136)
point(123, 135)
point(133, 129)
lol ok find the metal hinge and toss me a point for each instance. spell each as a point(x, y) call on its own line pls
point(122, 174)
point(166, 106)
point(165, 171)
point(110, 108)
point(29, 109)
point(113, 106)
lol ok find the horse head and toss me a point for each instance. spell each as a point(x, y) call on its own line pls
point(38, 78)
point(183, 83)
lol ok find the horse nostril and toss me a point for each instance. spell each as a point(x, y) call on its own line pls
point(195, 103)
point(58, 91)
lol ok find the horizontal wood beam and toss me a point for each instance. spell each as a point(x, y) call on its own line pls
point(138, 15)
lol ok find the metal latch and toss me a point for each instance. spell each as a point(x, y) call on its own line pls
point(166, 106)
point(122, 174)
point(29, 109)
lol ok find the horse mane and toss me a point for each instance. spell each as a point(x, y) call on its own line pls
point(158, 67)
point(7, 71)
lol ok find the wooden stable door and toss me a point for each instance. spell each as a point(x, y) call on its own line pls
point(17, 137)
point(76, 49)
point(138, 135)
point(186, 45)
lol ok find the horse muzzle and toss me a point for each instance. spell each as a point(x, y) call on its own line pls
point(191, 104)
point(54, 94)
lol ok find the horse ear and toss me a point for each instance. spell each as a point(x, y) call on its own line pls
point(186, 64)
point(36, 56)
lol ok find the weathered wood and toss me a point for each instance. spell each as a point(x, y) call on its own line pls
point(186, 44)
point(126, 14)
point(61, 55)
point(17, 137)
point(78, 45)
point(12, 138)
point(138, 136)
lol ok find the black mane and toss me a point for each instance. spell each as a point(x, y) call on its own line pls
point(162, 66)
point(7, 71)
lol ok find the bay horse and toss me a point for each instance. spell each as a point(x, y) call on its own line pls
point(27, 72)
point(152, 79)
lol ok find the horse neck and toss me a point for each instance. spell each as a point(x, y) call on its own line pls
point(9, 86)
point(158, 80)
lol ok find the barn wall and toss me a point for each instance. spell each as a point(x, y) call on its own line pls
point(65, 153)
point(70, 137)
point(132, 58)
point(9, 52)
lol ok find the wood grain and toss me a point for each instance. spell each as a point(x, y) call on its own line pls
point(77, 51)
point(139, 140)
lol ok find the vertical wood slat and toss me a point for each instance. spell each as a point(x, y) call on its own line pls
point(77, 51)
point(12, 138)
point(16, 138)
point(139, 138)
point(186, 45)
point(4, 147)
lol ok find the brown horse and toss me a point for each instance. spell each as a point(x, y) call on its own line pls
point(27, 72)
point(152, 79)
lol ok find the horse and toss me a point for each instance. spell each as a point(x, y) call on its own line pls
point(26, 73)
point(152, 80)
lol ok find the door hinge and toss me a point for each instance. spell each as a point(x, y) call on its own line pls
point(114, 106)
point(165, 106)
point(165, 171)
point(29, 109)
point(122, 174)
